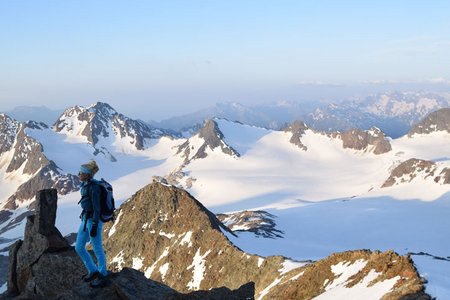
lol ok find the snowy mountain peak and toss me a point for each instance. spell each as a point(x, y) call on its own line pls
point(436, 121)
point(207, 140)
point(101, 108)
point(102, 124)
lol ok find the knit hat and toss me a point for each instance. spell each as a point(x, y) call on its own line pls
point(89, 168)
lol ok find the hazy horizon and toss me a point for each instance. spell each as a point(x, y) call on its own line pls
point(162, 59)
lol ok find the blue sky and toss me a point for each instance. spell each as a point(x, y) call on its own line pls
point(156, 59)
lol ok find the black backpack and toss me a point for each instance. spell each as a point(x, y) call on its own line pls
point(107, 206)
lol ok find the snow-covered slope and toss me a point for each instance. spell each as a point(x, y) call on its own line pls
point(327, 192)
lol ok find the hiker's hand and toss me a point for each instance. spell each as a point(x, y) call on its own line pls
point(94, 230)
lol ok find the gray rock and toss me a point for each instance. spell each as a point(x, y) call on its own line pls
point(436, 121)
point(298, 129)
point(361, 140)
point(213, 138)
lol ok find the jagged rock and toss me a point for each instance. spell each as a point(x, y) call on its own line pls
point(171, 231)
point(36, 125)
point(436, 121)
point(361, 140)
point(261, 223)
point(315, 278)
point(211, 137)
point(412, 168)
point(298, 129)
point(99, 120)
point(43, 264)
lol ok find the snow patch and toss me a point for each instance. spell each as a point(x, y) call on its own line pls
point(150, 269)
point(198, 264)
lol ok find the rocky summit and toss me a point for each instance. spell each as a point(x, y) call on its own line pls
point(436, 121)
point(172, 238)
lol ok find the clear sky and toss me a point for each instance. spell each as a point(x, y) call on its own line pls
point(156, 59)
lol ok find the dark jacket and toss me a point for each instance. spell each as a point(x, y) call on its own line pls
point(90, 199)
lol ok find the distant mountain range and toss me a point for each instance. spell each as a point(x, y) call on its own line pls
point(394, 113)
point(35, 113)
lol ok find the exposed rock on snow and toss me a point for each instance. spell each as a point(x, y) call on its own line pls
point(436, 121)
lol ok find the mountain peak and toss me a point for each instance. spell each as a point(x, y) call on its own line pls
point(103, 109)
point(208, 138)
point(369, 140)
point(100, 121)
point(436, 121)
point(176, 241)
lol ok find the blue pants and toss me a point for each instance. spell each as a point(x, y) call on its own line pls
point(96, 242)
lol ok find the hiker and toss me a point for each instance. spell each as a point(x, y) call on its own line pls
point(91, 226)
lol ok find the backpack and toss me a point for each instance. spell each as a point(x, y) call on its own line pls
point(107, 206)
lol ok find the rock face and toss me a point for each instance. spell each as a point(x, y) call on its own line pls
point(298, 129)
point(167, 234)
point(413, 168)
point(435, 121)
point(260, 222)
point(372, 140)
point(370, 270)
point(208, 137)
point(43, 264)
point(24, 158)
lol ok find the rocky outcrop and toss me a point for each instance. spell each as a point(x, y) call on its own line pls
point(259, 222)
point(43, 264)
point(372, 140)
point(370, 270)
point(167, 234)
point(298, 129)
point(208, 137)
point(177, 241)
point(436, 121)
point(413, 168)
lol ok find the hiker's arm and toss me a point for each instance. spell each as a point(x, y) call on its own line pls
point(95, 196)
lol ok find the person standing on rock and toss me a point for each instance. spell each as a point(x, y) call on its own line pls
point(91, 226)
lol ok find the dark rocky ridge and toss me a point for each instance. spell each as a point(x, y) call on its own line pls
point(261, 223)
point(436, 121)
point(362, 140)
point(373, 140)
point(408, 170)
point(298, 129)
point(172, 231)
point(213, 138)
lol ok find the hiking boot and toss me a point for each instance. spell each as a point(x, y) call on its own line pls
point(100, 281)
point(90, 276)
